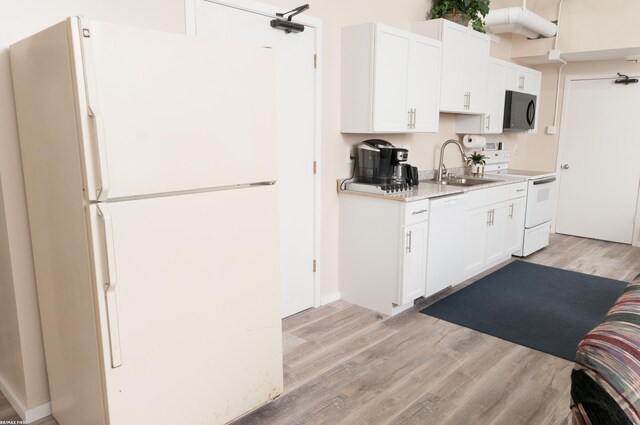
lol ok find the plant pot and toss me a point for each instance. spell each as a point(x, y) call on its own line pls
point(459, 18)
point(476, 169)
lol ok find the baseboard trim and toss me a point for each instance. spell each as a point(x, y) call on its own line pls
point(38, 413)
point(27, 415)
point(330, 298)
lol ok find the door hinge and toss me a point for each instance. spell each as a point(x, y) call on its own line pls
point(315, 167)
point(315, 61)
point(314, 266)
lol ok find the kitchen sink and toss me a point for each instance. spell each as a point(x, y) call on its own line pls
point(466, 181)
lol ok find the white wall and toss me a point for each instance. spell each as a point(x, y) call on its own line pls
point(22, 366)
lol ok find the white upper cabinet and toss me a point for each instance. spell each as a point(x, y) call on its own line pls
point(390, 80)
point(424, 84)
point(465, 62)
point(491, 121)
point(476, 70)
point(502, 76)
point(523, 79)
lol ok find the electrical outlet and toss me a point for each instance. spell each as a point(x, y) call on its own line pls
point(350, 155)
point(551, 129)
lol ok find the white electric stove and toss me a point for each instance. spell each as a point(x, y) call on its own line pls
point(540, 200)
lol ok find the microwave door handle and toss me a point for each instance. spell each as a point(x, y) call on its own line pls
point(531, 112)
point(544, 181)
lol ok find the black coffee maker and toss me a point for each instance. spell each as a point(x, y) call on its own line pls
point(374, 162)
point(381, 163)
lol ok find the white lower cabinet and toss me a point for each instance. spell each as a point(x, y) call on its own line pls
point(494, 225)
point(414, 264)
point(383, 252)
point(515, 224)
point(496, 233)
point(475, 244)
point(393, 252)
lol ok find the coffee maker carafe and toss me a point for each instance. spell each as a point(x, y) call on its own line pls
point(399, 158)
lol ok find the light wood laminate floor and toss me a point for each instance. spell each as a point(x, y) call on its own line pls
point(348, 365)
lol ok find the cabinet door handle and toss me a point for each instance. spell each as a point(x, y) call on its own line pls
point(492, 216)
point(488, 218)
point(469, 101)
point(419, 212)
point(488, 122)
point(415, 113)
point(409, 242)
point(511, 211)
point(409, 119)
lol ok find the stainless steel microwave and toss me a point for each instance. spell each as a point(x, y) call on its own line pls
point(519, 111)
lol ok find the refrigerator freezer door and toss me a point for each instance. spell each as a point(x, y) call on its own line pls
point(169, 113)
point(198, 303)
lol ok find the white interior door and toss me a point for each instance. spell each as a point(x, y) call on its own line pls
point(197, 301)
point(179, 113)
point(296, 126)
point(600, 170)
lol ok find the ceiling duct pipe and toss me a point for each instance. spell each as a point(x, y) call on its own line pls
point(519, 20)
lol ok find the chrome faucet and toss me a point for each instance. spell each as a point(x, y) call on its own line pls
point(441, 166)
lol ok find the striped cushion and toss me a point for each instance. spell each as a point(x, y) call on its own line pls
point(605, 383)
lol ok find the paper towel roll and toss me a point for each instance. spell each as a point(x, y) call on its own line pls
point(474, 141)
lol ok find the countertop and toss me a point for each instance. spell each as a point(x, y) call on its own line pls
point(428, 189)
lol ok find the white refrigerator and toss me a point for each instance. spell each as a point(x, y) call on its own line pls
point(150, 171)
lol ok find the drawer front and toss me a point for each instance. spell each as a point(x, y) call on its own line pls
point(415, 212)
point(518, 190)
point(482, 197)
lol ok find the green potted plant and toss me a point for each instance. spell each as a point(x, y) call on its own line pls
point(461, 12)
point(476, 161)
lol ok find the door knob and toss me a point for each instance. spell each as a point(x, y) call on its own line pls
point(565, 167)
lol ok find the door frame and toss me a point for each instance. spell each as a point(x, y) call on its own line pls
point(309, 21)
point(635, 241)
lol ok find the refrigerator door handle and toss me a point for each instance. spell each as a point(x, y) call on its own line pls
point(110, 289)
point(98, 126)
point(91, 92)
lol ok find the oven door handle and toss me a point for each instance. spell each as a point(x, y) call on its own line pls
point(544, 181)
